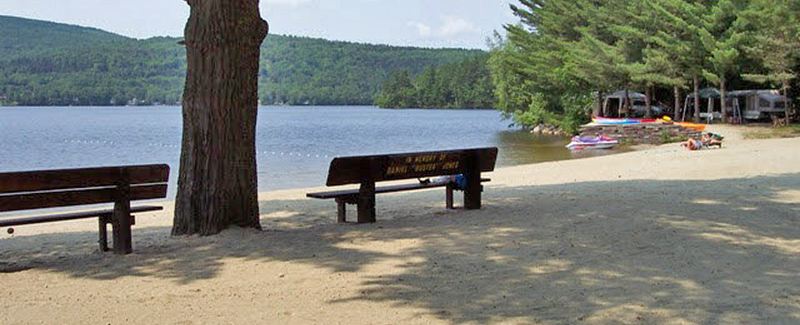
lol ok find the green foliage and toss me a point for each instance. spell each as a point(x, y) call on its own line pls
point(43, 63)
point(536, 113)
point(586, 47)
point(665, 137)
point(772, 30)
point(577, 109)
point(298, 70)
point(397, 92)
point(512, 90)
point(464, 85)
point(574, 114)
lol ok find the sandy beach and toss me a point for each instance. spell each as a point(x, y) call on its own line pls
point(656, 236)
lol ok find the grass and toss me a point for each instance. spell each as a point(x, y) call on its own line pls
point(667, 138)
point(774, 132)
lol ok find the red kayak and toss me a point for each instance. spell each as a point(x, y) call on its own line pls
point(611, 120)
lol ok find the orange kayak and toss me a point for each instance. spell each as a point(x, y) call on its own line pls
point(693, 126)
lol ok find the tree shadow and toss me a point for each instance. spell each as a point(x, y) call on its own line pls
point(721, 251)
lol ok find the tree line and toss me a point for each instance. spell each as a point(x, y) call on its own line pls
point(50, 64)
point(563, 56)
point(465, 85)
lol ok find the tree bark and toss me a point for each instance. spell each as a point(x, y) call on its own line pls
point(217, 183)
point(599, 107)
point(647, 109)
point(677, 91)
point(722, 100)
point(710, 110)
point(627, 105)
point(788, 107)
point(696, 99)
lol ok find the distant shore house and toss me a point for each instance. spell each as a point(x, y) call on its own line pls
point(746, 104)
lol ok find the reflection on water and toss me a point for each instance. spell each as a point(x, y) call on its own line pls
point(523, 147)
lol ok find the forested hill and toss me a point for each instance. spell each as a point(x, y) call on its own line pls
point(44, 63)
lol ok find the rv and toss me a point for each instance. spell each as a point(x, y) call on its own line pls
point(757, 104)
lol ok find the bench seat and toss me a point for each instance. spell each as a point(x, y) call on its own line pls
point(384, 189)
point(350, 196)
point(104, 218)
point(368, 170)
point(105, 213)
point(120, 185)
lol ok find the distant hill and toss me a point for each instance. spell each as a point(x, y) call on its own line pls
point(45, 63)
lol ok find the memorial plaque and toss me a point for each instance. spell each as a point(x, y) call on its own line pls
point(411, 166)
point(354, 170)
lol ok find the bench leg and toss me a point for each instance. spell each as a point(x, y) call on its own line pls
point(448, 197)
point(121, 226)
point(121, 229)
point(472, 194)
point(103, 241)
point(341, 211)
point(366, 203)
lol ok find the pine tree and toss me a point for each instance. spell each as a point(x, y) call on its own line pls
point(428, 89)
point(397, 92)
point(773, 39)
point(677, 51)
point(722, 38)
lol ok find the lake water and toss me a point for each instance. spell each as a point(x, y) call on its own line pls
point(295, 144)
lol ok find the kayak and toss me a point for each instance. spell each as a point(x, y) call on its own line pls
point(693, 126)
point(688, 125)
point(599, 142)
point(608, 120)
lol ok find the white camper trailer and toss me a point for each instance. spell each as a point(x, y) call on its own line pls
point(757, 104)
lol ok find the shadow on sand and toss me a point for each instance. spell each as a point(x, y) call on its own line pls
point(707, 252)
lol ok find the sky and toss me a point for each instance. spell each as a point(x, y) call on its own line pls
point(425, 23)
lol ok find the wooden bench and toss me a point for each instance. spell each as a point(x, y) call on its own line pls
point(367, 170)
point(73, 187)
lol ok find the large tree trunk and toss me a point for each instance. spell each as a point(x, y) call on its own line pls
point(626, 107)
point(696, 99)
point(647, 109)
point(599, 107)
point(217, 184)
point(677, 91)
point(788, 107)
point(722, 99)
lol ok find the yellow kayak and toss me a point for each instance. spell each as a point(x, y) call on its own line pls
point(693, 126)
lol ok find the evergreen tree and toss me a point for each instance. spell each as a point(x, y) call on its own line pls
point(722, 38)
point(429, 89)
point(773, 39)
point(397, 92)
point(44, 63)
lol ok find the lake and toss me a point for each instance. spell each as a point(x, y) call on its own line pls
point(295, 144)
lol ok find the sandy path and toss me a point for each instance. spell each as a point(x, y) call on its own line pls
point(661, 236)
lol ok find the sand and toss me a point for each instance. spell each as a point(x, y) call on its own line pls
point(659, 236)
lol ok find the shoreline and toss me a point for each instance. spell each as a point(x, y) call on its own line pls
point(658, 236)
point(502, 176)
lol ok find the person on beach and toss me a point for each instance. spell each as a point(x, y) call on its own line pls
point(708, 140)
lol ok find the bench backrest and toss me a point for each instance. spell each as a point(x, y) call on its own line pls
point(376, 168)
point(71, 187)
